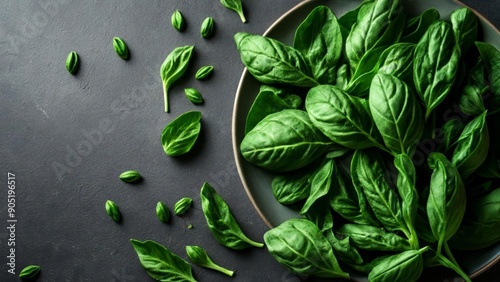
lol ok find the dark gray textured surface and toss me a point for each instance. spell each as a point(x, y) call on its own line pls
point(107, 119)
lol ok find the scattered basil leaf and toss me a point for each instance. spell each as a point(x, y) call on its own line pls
point(121, 48)
point(193, 95)
point(178, 21)
point(72, 62)
point(221, 221)
point(183, 205)
point(130, 176)
point(173, 68)
point(200, 257)
point(160, 263)
point(236, 6)
point(204, 72)
point(30, 272)
point(162, 212)
point(179, 135)
point(207, 27)
point(113, 211)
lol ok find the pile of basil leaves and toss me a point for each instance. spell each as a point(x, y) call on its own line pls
point(379, 127)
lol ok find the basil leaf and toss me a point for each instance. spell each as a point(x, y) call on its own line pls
point(480, 225)
point(179, 135)
point(268, 101)
point(236, 6)
point(200, 257)
point(182, 205)
point(207, 27)
point(160, 263)
point(320, 184)
point(130, 176)
point(112, 210)
point(293, 187)
point(451, 130)
point(472, 146)
point(343, 249)
point(347, 20)
point(403, 267)
point(72, 62)
point(178, 21)
point(121, 48)
point(299, 245)
point(435, 65)
point(417, 26)
point(397, 60)
point(319, 39)
point(368, 266)
point(369, 173)
point(284, 141)
point(379, 24)
point(446, 203)
point(271, 61)
point(464, 23)
point(343, 118)
point(491, 57)
point(320, 215)
point(162, 212)
point(221, 221)
point(343, 74)
point(396, 113)
point(471, 97)
point(29, 272)
point(173, 68)
point(362, 77)
point(204, 72)
point(371, 238)
point(193, 95)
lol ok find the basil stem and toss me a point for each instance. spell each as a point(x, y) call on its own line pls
point(121, 48)
point(178, 21)
point(174, 66)
point(207, 28)
point(113, 211)
point(72, 62)
point(236, 6)
point(193, 95)
point(204, 72)
point(162, 212)
point(30, 272)
point(130, 176)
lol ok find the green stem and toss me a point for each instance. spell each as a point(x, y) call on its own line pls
point(242, 16)
point(165, 97)
point(446, 262)
point(220, 269)
point(413, 238)
point(449, 254)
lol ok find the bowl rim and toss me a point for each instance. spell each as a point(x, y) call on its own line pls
point(238, 96)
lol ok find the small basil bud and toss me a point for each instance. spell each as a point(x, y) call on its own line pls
point(207, 28)
point(204, 72)
point(113, 211)
point(182, 205)
point(178, 21)
point(130, 176)
point(162, 212)
point(29, 272)
point(120, 48)
point(193, 95)
point(200, 257)
point(72, 62)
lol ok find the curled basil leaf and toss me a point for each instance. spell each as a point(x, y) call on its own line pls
point(121, 48)
point(30, 272)
point(345, 119)
point(160, 263)
point(271, 61)
point(471, 98)
point(320, 184)
point(72, 62)
point(113, 211)
point(204, 72)
point(221, 221)
point(178, 21)
point(183, 205)
point(180, 135)
point(299, 245)
point(130, 176)
point(472, 146)
point(193, 95)
point(173, 68)
point(293, 187)
point(207, 27)
point(162, 212)
point(396, 113)
point(438, 54)
point(285, 141)
point(319, 39)
point(464, 23)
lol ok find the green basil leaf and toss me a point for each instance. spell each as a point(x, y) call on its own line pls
point(293, 187)
point(121, 48)
point(320, 184)
point(343, 249)
point(435, 64)
point(72, 62)
point(347, 20)
point(207, 27)
point(193, 95)
point(417, 26)
point(113, 211)
point(403, 267)
point(162, 212)
point(300, 246)
point(379, 24)
point(285, 141)
point(451, 130)
point(130, 176)
point(221, 221)
point(343, 76)
point(368, 266)
point(406, 184)
point(371, 238)
point(319, 39)
point(204, 72)
point(320, 215)
point(30, 272)
point(397, 60)
point(472, 146)
point(160, 263)
point(345, 119)
point(480, 225)
point(369, 174)
point(183, 205)
point(271, 62)
point(446, 202)
point(362, 78)
point(179, 135)
point(200, 257)
point(471, 97)
point(236, 6)
point(396, 113)
point(464, 23)
point(491, 57)
point(178, 21)
point(173, 68)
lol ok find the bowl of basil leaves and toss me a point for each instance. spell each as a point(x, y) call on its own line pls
point(363, 133)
